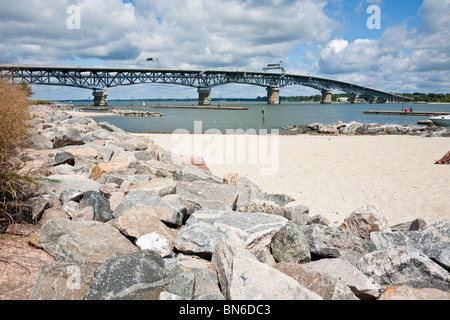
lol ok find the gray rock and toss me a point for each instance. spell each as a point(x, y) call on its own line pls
point(37, 206)
point(92, 241)
point(181, 282)
point(102, 210)
point(289, 244)
point(326, 286)
point(118, 178)
point(63, 281)
point(332, 242)
point(298, 214)
point(64, 158)
point(401, 266)
point(205, 228)
point(360, 285)
point(434, 241)
point(136, 276)
point(193, 173)
point(71, 195)
point(423, 223)
point(207, 286)
point(209, 195)
point(70, 137)
point(160, 209)
point(243, 277)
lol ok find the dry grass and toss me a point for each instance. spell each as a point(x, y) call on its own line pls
point(14, 114)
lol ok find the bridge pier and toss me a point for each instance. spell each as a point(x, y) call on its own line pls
point(354, 98)
point(204, 96)
point(326, 96)
point(100, 98)
point(273, 95)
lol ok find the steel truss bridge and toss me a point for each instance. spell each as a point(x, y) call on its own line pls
point(99, 79)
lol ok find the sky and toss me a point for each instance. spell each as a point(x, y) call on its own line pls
point(389, 45)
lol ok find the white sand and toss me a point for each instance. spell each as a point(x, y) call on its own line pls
point(335, 175)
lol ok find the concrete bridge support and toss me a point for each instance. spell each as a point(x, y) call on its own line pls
point(326, 96)
point(273, 95)
point(354, 98)
point(204, 96)
point(100, 98)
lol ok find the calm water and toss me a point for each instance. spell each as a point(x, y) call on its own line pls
point(277, 116)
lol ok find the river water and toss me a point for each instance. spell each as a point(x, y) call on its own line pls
point(276, 116)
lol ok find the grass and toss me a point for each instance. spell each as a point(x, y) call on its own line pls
point(14, 114)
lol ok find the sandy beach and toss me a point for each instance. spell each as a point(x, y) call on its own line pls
point(334, 175)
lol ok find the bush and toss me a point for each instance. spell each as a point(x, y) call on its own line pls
point(14, 114)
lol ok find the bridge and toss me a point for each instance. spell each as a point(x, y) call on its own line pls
point(99, 79)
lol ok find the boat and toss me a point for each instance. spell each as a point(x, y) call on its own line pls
point(443, 121)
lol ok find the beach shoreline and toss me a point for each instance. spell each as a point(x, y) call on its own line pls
point(335, 175)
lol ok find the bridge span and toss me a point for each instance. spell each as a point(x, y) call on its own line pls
point(99, 79)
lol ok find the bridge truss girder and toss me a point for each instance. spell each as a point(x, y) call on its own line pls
point(96, 78)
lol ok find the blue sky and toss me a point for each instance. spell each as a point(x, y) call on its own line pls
point(409, 53)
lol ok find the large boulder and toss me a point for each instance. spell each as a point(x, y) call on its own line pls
point(434, 241)
point(209, 195)
point(326, 286)
point(243, 277)
point(205, 228)
point(146, 201)
point(83, 241)
point(101, 205)
point(64, 281)
point(333, 242)
point(365, 220)
point(408, 293)
point(289, 244)
point(401, 266)
point(136, 276)
point(157, 187)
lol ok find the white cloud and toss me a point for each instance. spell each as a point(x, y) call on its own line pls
point(402, 59)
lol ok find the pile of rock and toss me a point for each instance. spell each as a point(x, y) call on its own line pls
point(124, 219)
point(134, 113)
point(356, 128)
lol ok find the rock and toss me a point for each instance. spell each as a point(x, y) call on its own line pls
point(326, 286)
point(37, 206)
point(137, 222)
point(207, 286)
point(157, 187)
point(123, 179)
point(205, 228)
point(154, 241)
point(365, 220)
point(242, 277)
point(319, 219)
point(135, 276)
point(115, 199)
point(298, 214)
point(360, 285)
point(178, 200)
point(64, 158)
point(103, 168)
point(60, 183)
point(423, 223)
point(71, 195)
point(181, 282)
point(85, 214)
point(289, 244)
point(83, 241)
point(280, 199)
point(268, 207)
point(39, 142)
point(209, 195)
point(20, 264)
point(106, 190)
point(63, 281)
point(102, 210)
point(407, 293)
point(70, 137)
point(126, 157)
point(53, 213)
point(402, 266)
point(151, 203)
point(332, 242)
point(434, 241)
point(192, 173)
